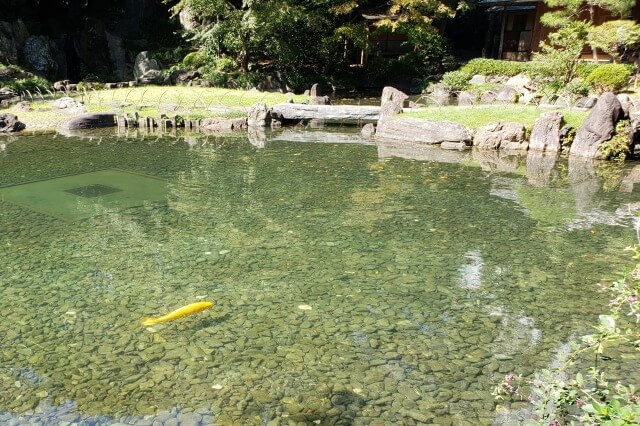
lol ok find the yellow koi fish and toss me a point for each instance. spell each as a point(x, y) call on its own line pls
point(178, 313)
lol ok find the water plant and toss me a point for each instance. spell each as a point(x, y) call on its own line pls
point(580, 390)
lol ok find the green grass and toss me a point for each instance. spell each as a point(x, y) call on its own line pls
point(183, 97)
point(482, 115)
point(151, 101)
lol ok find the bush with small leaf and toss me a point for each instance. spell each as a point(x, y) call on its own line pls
point(609, 78)
point(493, 67)
point(617, 147)
point(455, 81)
point(194, 60)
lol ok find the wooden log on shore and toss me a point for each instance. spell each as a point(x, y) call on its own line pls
point(329, 113)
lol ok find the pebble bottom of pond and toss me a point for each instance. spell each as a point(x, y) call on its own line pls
point(347, 288)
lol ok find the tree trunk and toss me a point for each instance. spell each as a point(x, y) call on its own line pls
point(592, 18)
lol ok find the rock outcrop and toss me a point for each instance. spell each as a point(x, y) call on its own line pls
point(395, 96)
point(259, 116)
point(423, 131)
point(146, 69)
point(90, 121)
point(501, 136)
point(9, 123)
point(223, 124)
point(40, 54)
point(598, 127)
point(545, 135)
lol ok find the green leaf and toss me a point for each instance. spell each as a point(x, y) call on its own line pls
point(608, 322)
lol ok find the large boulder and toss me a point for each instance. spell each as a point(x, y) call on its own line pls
point(259, 116)
point(187, 19)
point(223, 124)
point(6, 93)
point(598, 127)
point(423, 131)
point(67, 103)
point(8, 48)
point(488, 97)
point(587, 102)
point(273, 82)
point(395, 96)
point(146, 69)
point(440, 96)
point(40, 55)
point(501, 136)
point(467, 99)
point(519, 81)
point(545, 135)
point(317, 90)
point(478, 79)
point(9, 123)
point(368, 130)
point(90, 121)
point(508, 94)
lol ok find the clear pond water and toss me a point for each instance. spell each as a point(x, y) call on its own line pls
point(353, 283)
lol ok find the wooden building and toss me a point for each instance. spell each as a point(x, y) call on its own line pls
point(514, 30)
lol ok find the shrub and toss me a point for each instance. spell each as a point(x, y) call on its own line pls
point(31, 84)
point(577, 88)
point(455, 81)
point(609, 78)
point(485, 66)
point(617, 147)
point(583, 69)
point(193, 60)
point(225, 64)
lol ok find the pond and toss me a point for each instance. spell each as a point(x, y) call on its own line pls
point(352, 283)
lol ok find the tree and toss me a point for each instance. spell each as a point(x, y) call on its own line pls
point(308, 36)
point(562, 49)
point(574, 10)
point(615, 37)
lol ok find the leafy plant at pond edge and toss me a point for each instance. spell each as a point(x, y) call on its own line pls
point(558, 396)
point(617, 147)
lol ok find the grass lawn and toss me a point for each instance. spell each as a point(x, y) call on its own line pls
point(151, 101)
point(480, 115)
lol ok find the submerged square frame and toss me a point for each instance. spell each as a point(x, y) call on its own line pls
point(88, 194)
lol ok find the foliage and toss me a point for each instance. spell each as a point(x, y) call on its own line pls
point(311, 39)
point(31, 84)
point(609, 78)
point(617, 147)
point(561, 396)
point(577, 88)
point(583, 69)
point(568, 13)
point(194, 60)
point(572, 10)
point(430, 49)
point(455, 81)
point(493, 67)
point(613, 37)
point(561, 52)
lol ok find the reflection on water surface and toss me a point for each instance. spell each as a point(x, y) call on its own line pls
point(353, 283)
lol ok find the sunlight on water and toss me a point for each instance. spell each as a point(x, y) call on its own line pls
point(353, 283)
